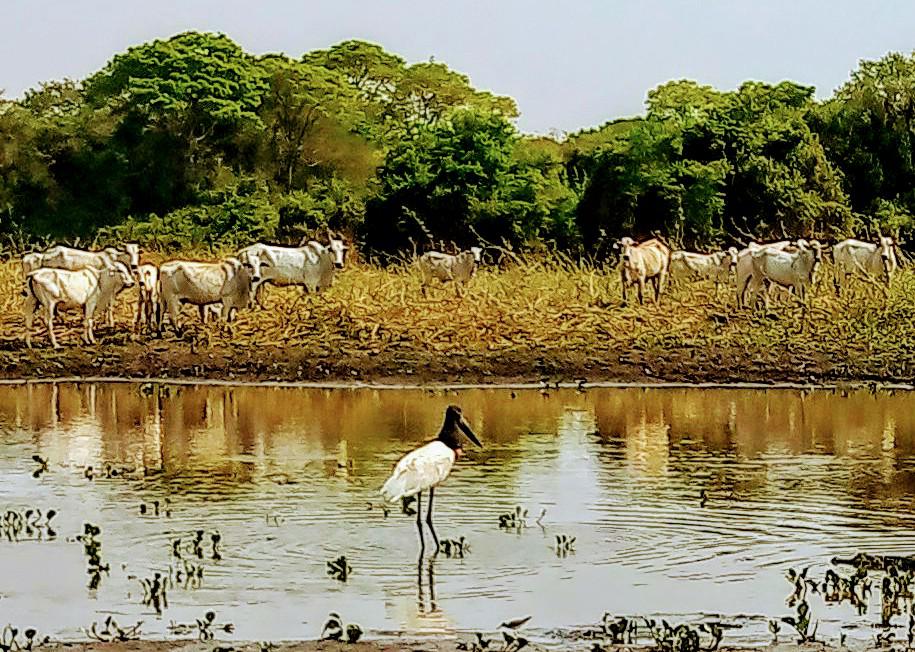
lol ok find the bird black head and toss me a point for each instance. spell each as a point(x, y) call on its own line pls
point(451, 429)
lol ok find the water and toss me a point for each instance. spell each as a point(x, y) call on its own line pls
point(287, 477)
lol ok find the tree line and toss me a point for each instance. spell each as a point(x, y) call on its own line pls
point(191, 142)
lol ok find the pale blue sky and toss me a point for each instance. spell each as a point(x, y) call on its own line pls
point(569, 64)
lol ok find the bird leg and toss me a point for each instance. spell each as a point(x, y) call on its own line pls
point(419, 521)
point(429, 518)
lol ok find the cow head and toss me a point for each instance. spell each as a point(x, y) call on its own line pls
point(117, 274)
point(887, 249)
point(254, 263)
point(732, 256)
point(624, 244)
point(477, 254)
point(338, 247)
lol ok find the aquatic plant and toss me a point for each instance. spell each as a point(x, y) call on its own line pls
point(514, 520)
point(454, 547)
point(113, 631)
point(155, 593)
point(801, 623)
point(513, 643)
point(564, 545)
point(334, 630)
point(339, 568)
point(42, 466)
point(618, 628)
point(92, 549)
point(205, 627)
point(681, 638)
point(478, 644)
point(10, 641)
point(28, 525)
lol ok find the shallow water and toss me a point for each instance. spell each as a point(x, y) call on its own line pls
point(287, 477)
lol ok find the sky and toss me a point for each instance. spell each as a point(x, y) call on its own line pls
point(569, 65)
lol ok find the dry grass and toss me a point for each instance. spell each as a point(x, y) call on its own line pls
point(558, 313)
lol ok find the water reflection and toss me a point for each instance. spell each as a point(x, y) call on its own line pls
point(290, 478)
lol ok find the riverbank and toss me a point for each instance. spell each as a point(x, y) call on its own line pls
point(383, 645)
point(538, 321)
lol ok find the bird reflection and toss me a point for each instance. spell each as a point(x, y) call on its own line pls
point(430, 581)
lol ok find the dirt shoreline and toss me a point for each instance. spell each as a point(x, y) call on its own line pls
point(179, 361)
point(443, 644)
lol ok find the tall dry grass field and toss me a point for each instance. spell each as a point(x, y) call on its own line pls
point(553, 317)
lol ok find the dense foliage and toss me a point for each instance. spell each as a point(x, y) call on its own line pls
point(192, 142)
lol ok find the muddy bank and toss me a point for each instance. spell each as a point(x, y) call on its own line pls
point(381, 645)
point(295, 363)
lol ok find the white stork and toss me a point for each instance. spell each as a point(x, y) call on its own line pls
point(428, 466)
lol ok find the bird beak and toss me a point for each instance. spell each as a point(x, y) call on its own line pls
point(463, 425)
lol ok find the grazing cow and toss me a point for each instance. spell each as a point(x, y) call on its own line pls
point(643, 263)
point(147, 297)
point(459, 268)
point(793, 270)
point(202, 284)
point(864, 259)
point(744, 266)
point(686, 265)
point(90, 289)
point(310, 266)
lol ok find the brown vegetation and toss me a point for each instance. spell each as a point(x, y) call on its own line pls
point(541, 318)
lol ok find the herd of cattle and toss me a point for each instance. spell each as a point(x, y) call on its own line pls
point(65, 277)
point(758, 268)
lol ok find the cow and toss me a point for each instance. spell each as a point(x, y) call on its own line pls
point(62, 257)
point(311, 266)
point(793, 270)
point(228, 282)
point(91, 289)
point(642, 263)
point(686, 265)
point(147, 297)
point(744, 267)
point(864, 259)
point(459, 268)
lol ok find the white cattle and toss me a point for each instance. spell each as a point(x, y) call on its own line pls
point(689, 266)
point(793, 270)
point(864, 259)
point(147, 296)
point(743, 269)
point(459, 268)
point(642, 263)
point(228, 282)
point(310, 266)
point(61, 257)
point(90, 289)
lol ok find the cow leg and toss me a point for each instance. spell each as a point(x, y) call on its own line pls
point(623, 286)
point(49, 320)
point(28, 309)
point(259, 293)
point(640, 287)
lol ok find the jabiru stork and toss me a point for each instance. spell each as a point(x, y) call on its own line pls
point(428, 466)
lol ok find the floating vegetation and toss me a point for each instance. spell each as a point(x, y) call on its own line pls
point(339, 568)
point(513, 642)
point(42, 466)
point(564, 545)
point(478, 644)
point(114, 632)
point(198, 547)
point(28, 525)
point(10, 640)
point(334, 630)
point(619, 630)
point(384, 508)
point(189, 575)
point(152, 509)
point(205, 627)
point(454, 547)
point(92, 548)
point(155, 592)
point(801, 623)
point(877, 562)
point(515, 520)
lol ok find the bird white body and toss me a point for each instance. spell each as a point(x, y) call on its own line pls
point(418, 470)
